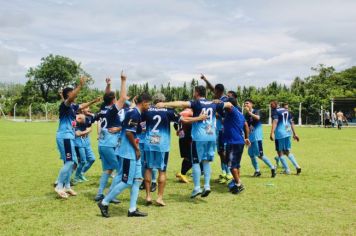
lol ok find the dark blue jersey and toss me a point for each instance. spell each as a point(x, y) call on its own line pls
point(158, 128)
point(256, 132)
point(66, 120)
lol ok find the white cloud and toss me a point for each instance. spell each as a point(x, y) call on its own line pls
point(238, 42)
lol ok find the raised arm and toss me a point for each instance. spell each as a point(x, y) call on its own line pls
point(176, 104)
point(108, 85)
point(208, 84)
point(87, 104)
point(75, 92)
point(123, 95)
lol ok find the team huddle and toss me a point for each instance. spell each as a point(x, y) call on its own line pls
point(134, 142)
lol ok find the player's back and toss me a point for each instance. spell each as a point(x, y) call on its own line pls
point(66, 118)
point(109, 117)
point(158, 128)
point(205, 130)
point(284, 118)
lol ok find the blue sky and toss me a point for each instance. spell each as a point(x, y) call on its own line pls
point(234, 42)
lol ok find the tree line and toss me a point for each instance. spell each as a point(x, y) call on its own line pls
point(55, 72)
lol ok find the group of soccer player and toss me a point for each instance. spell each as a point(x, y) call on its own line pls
point(134, 141)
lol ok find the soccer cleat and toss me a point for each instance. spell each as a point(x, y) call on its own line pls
point(104, 210)
point(99, 197)
point(257, 174)
point(274, 173)
point(299, 170)
point(221, 176)
point(234, 189)
point(231, 184)
point(178, 175)
point(83, 178)
point(223, 181)
point(142, 186)
point(206, 192)
point(241, 188)
point(71, 192)
point(136, 213)
point(153, 187)
point(196, 193)
point(229, 177)
point(115, 201)
point(184, 179)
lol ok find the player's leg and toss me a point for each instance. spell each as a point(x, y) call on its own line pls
point(81, 155)
point(147, 181)
point(221, 152)
point(162, 178)
point(209, 150)
point(196, 168)
point(109, 163)
point(291, 156)
point(143, 163)
point(185, 153)
point(135, 188)
point(90, 160)
point(235, 154)
point(252, 152)
point(280, 147)
point(153, 186)
point(265, 159)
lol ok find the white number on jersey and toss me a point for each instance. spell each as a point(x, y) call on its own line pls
point(159, 119)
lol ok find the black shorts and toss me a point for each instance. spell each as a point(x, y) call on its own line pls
point(185, 147)
point(234, 154)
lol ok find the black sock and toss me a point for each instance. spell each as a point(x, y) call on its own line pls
point(186, 165)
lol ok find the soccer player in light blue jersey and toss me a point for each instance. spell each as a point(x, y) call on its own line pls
point(253, 119)
point(157, 143)
point(281, 132)
point(203, 135)
point(65, 138)
point(130, 172)
point(110, 116)
point(141, 136)
point(219, 93)
point(83, 148)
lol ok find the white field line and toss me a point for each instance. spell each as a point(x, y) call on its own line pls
point(37, 199)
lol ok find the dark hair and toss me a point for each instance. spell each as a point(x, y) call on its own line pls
point(201, 90)
point(66, 92)
point(234, 94)
point(249, 100)
point(220, 88)
point(109, 97)
point(144, 97)
point(273, 101)
point(233, 101)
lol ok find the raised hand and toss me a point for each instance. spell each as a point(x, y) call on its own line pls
point(202, 77)
point(108, 80)
point(123, 75)
point(83, 80)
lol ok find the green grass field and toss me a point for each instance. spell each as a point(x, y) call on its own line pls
point(322, 201)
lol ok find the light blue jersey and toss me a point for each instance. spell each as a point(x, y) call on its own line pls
point(67, 121)
point(130, 124)
point(109, 118)
point(205, 130)
point(285, 119)
point(256, 132)
point(158, 128)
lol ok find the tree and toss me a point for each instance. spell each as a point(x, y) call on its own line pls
point(54, 73)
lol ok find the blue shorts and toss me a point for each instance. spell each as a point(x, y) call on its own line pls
point(283, 144)
point(256, 149)
point(220, 144)
point(85, 154)
point(108, 158)
point(234, 154)
point(156, 160)
point(203, 151)
point(129, 170)
point(66, 149)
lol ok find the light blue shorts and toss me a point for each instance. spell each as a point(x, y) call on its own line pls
point(109, 160)
point(66, 149)
point(129, 170)
point(203, 151)
point(256, 149)
point(156, 160)
point(283, 144)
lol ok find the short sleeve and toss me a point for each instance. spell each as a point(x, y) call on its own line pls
point(173, 116)
point(193, 104)
point(132, 121)
point(274, 114)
